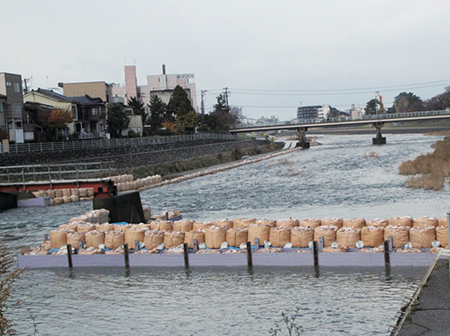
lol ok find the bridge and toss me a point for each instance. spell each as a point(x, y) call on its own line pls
point(377, 120)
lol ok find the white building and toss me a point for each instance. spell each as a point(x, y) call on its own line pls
point(324, 111)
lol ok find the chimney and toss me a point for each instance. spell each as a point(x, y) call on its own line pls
point(164, 69)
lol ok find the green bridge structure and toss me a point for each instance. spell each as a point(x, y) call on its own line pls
point(377, 120)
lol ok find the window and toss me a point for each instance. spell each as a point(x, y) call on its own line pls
point(8, 84)
point(16, 87)
point(2, 109)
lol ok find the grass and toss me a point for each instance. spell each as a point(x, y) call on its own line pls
point(429, 171)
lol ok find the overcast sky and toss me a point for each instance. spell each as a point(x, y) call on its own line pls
point(272, 55)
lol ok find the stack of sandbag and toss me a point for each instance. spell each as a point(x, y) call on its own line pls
point(327, 232)
point(83, 228)
point(301, 236)
point(337, 222)
point(311, 222)
point(377, 222)
point(279, 236)
point(202, 226)
point(58, 238)
point(289, 223)
point(153, 238)
point(191, 235)
point(162, 225)
point(372, 236)
point(75, 238)
point(423, 222)
point(347, 236)
point(243, 222)
point(183, 225)
point(260, 231)
point(442, 221)
point(105, 227)
point(132, 234)
point(173, 238)
point(122, 227)
point(401, 221)
point(422, 237)
point(399, 234)
point(94, 238)
point(354, 223)
point(228, 224)
point(70, 227)
point(271, 223)
point(236, 236)
point(215, 236)
point(442, 235)
point(114, 239)
point(147, 226)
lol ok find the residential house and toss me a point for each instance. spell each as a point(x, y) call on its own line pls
point(11, 107)
point(91, 117)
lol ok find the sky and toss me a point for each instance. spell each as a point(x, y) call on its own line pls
point(273, 56)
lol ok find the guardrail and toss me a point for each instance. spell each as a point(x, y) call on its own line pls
point(109, 143)
point(343, 119)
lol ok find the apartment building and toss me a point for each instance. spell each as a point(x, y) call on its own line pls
point(11, 106)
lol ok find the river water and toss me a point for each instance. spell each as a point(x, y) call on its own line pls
point(335, 179)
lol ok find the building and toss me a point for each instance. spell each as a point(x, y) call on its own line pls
point(101, 90)
point(11, 107)
point(308, 112)
point(323, 112)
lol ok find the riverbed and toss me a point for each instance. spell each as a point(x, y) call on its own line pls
point(341, 178)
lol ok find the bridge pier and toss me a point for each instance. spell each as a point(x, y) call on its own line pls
point(379, 140)
point(301, 137)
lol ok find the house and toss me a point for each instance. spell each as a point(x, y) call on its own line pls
point(91, 117)
point(11, 107)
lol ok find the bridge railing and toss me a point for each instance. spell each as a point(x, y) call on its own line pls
point(110, 143)
point(344, 119)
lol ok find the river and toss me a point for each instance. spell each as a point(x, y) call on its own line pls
point(337, 179)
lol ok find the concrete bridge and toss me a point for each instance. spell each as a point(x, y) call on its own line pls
point(377, 120)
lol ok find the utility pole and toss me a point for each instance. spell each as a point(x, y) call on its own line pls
point(25, 85)
point(203, 103)
point(226, 95)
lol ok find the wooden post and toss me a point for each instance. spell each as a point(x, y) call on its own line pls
point(249, 255)
point(69, 255)
point(127, 257)
point(315, 254)
point(186, 255)
point(387, 256)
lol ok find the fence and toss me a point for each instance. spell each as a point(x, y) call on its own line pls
point(109, 143)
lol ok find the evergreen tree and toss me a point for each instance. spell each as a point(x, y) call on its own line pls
point(117, 119)
point(157, 114)
point(138, 108)
point(181, 112)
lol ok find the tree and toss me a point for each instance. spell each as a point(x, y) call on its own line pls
point(371, 106)
point(440, 101)
point(53, 121)
point(221, 104)
point(138, 108)
point(117, 119)
point(408, 102)
point(180, 111)
point(186, 122)
point(157, 114)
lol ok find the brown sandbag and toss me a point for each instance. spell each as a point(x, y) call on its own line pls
point(191, 235)
point(377, 222)
point(422, 237)
point(289, 223)
point(94, 238)
point(201, 226)
point(338, 222)
point(125, 227)
point(327, 232)
point(147, 226)
point(153, 238)
point(215, 236)
point(425, 222)
point(173, 238)
point(68, 227)
point(228, 224)
point(442, 221)
point(335, 249)
point(105, 227)
point(58, 238)
point(399, 234)
point(165, 226)
point(348, 237)
point(311, 222)
point(260, 231)
point(243, 222)
point(236, 236)
point(183, 225)
point(301, 236)
point(271, 223)
point(372, 236)
point(75, 238)
point(354, 223)
point(401, 221)
point(279, 236)
point(442, 235)
point(114, 239)
point(83, 228)
point(132, 234)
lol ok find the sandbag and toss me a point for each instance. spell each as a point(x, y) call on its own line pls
point(153, 238)
point(260, 231)
point(144, 226)
point(243, 222)
point(202, 226)
point(162, 225)
point(69, 227)
point(399, 234)
point(311, 222)
point(442, 221)
point(289, 223)
point(83, 228)
point(335, 249)
point(236, 236)
point(114, 239)
point(279, 236)
point(228, 224)
point(422, 237)
point(442, 235)
point(75, 238)
point(348, 237)
point(425, 222)
point(118, 227)
point(58, 193)
point(132, 234)
point(105, 227)
point(401, 221)
point(372, 236)
point(338, 222)
point(377, 222)
point(327, 232)
point(354, 223)
point(191, 235)
point(271, 223)
point(94, 238)
point(301, 236)
point(173, 238)
point(183, 225)
point(215, 236)
point(147, 213)
point(58, 238)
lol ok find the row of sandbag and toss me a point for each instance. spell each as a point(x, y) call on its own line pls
point(61, 196)
point(127, 182)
